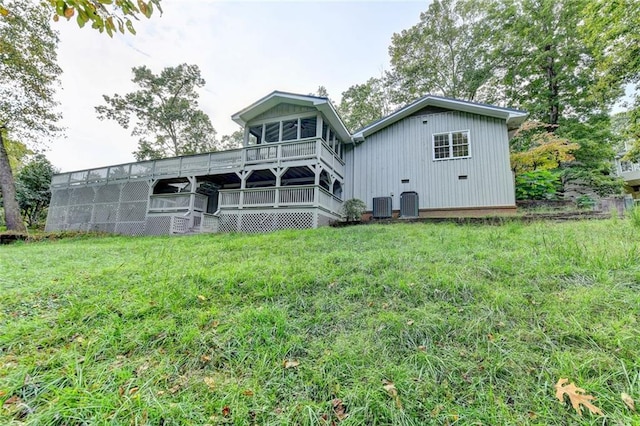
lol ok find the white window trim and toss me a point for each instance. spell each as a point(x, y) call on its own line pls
point(450, 134)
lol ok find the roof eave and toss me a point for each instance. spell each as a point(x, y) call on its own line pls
point(511, 117)
point(321, 104)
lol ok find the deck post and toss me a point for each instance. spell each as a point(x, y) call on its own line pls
point(316, 186)
point(319, 126)
point(243, 184)
point(192, 199)
point(277, 172)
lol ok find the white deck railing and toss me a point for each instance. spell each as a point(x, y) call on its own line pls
point(177, 202)
point(203, 164)
point(288, 196)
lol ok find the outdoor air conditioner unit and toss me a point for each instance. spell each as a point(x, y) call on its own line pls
point(409, 204)
point(382, 207)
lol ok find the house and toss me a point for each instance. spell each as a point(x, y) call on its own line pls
point(435, 157)
point(629, 172)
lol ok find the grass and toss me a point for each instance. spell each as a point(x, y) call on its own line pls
point(472, 324)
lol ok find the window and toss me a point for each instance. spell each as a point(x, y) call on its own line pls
point(272, 132)
point(451, 145)
point(283, 131)
point(289, 130)
point(308, 127)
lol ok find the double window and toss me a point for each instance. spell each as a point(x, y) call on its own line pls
point(451, 145)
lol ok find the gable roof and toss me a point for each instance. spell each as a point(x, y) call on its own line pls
point(276, 97)
point(513, 117)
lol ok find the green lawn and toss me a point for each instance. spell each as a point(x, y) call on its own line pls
point(471, 324)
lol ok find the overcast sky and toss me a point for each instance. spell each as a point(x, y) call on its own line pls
point(245, 50)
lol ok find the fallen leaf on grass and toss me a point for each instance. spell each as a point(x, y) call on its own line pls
point(210, 381)
point(290, 363)
point(626, 398)
point(133, 390)
point(247, 392)
point(339, 409)
point(201, 298)
point(14, 400)
point(576, 397)
point(393, 392)
point(226, 411)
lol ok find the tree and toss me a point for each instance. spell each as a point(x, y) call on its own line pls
point(534, 148)
point(28, 75)
point(165, 113)
point(446, 53)
point(17, 153)
point(611, 29)
point(102, 14)
point(364, 103)
point(33, 183)
point(322, 92)
point(232, 141)
point(547, 68)
point(593, 165)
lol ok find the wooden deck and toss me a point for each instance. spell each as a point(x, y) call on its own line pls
point(250, 158)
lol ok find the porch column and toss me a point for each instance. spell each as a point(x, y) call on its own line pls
point(319, 127)
point(192, 199)
point(243, 184)
point(245, 138)
point(316, 190)
point(277, 172)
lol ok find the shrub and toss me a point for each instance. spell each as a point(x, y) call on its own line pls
point(353, 209)
point(585, 202)
point(537, 185)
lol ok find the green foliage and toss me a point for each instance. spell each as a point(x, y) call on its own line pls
point(165, 112)
point(472, 324)
point(593, 165)
point(537, 185)
point(17, 153)
point(28, 76)
point(363, 104)
point(445, 53)
point(631, 131)
point(104, 15)
point(353, 209)
point(33, 183)
point(634, 216)
point(321, 92)
point(232, 141)
point(547, 67)
point(585, 202)
point(611, 28)
point(534, 147)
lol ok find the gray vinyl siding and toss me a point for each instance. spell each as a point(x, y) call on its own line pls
point(404, 150)
point(283, 110)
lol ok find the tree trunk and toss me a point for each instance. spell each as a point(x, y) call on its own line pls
point(554, 109)
point(8, 187)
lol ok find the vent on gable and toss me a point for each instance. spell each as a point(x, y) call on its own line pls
point(381, 207)
point(409, 204)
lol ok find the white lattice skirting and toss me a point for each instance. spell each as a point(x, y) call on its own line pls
point(267, 221)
